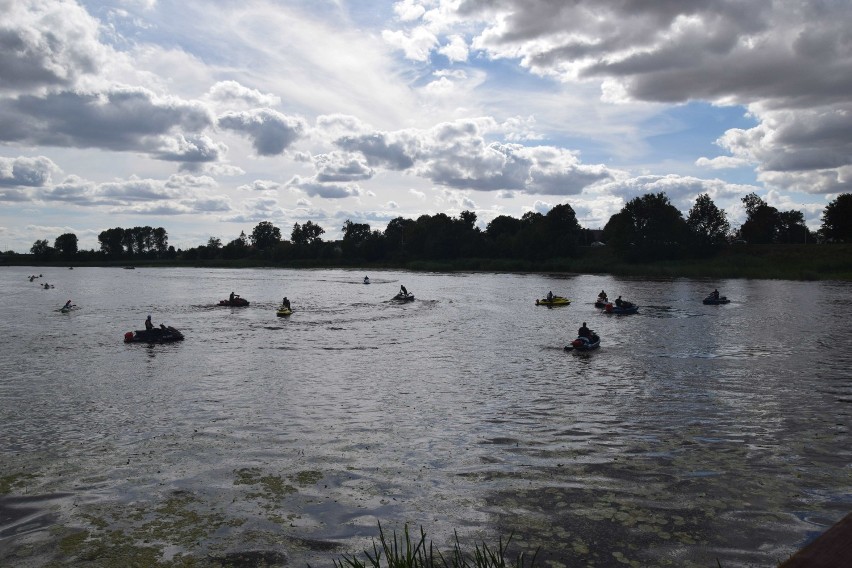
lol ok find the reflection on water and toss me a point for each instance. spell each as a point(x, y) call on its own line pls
point(694, 433)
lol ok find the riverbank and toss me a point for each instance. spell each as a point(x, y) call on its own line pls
point(775, 262)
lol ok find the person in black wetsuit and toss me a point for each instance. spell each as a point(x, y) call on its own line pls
point(148, 324)
point(285, 303)
point(584, 331)
point(403, 290)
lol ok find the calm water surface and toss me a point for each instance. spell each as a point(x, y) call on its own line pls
point(695, 433)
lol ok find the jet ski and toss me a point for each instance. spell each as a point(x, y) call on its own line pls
point(584, 343)
point(163, 334)
point(554, 301)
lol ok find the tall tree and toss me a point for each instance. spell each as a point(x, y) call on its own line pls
point(503, 225)
point(761, 224)
point(468, 219)
point(837, 219)
point(41, 249)
point(265, 235)
point(355, 232)
point(66, 245)
point(161, 241)
point(354, 236)
point(708, 223)
point(398, 232)
point(112, 242)
point(306, 234)
point(128, 241)
point(647, 227)
point(238, 248)
point(501, 234)
point(792, 228)
point(562, 230)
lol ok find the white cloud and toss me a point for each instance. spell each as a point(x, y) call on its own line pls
point(721, 162)
point(314, 188)
point(542, 207)
point(119, 119)
point(416, 45)
point(265, 186)
point(232, 91)
point(409, 10)
point(47, 43)
point(29, 172)
point(341, 167)
point(271, 132)
point(455, 49)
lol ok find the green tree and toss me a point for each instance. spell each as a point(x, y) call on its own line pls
point(468, 219)
point(238, 248)
point(306, 234)
point(837, 219)
point(129, 241)
point(503, 225)
point(562, 230)
point(435, 237)
point(708, 223)
point(354, 236)
point(41, 249)
point(501, 235)
point(265, 235)
point(531, 241)
point(397, 233)
point(647, 227)
point(142, 239)
point(761, 224)
point(214, 243)
point(112, 241)
point(160, 241)
point(355, 232)
point(66, 245)
point(792, 228)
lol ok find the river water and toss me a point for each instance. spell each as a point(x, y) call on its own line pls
point(694, 434)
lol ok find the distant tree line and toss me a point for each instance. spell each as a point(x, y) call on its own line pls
point(647, 228)
point(651, 228)
point(115, 244)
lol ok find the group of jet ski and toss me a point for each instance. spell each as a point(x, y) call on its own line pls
point(588, 339)
point(168, 334)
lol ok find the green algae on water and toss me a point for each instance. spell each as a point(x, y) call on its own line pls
point(8, 483)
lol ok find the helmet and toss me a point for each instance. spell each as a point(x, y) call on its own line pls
point(149, 316)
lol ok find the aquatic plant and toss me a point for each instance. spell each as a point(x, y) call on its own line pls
point(402, 552)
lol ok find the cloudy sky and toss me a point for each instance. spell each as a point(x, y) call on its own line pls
point(208, 116)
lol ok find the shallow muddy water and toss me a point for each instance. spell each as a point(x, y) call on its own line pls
point(695, 433)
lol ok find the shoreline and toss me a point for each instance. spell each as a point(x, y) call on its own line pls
point(766, 262)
